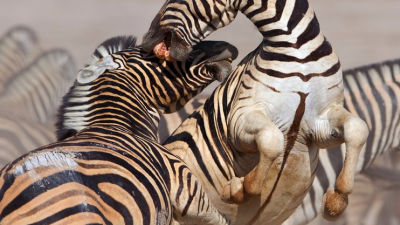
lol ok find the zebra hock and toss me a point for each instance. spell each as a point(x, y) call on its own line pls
point(287, 101)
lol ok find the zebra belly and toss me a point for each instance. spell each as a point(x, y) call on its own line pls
point(281, 196)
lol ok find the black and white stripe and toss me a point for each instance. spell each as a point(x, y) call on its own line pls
point(108, 167)
point(373, 93)
point(289, 85)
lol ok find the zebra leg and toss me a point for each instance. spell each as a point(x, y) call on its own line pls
point(191, 203)
point(354, 132)
point(255, 132)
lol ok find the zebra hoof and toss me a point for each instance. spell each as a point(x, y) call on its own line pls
point(334, 204)
point(233, 191)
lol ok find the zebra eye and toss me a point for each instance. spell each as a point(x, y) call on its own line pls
point(335, 133)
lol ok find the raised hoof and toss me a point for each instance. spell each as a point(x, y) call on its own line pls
point(233, 191)
point(334, 204)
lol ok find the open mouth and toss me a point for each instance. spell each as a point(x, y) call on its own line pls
point(162, 49)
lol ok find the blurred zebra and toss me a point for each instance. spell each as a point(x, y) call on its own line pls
point(108, 167)
point(256, 140)
point(18, 48)
point(35, 91)
point(32, 85)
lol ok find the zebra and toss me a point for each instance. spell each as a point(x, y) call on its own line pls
point(28, 103)
point(18, 48)
point(169, 122)
point(383, 79)
point(261, 130)
point(107, 167)
point(32, 83)
point(373, 93)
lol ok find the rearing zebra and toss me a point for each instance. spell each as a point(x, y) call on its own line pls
point(380, 109)
point(261, 130)
point(109, 168)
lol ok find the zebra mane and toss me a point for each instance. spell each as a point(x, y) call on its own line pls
point(74, 109)
point(112, 45)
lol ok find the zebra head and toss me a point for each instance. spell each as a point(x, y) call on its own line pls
point(180, 24)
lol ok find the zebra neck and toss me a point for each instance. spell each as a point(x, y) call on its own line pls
point(87, 106)
point(292, 41)
point(279, 20)
point(284, 24)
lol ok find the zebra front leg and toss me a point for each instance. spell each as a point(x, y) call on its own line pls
point(191, 203)
point(254, 132)
point(354, 133)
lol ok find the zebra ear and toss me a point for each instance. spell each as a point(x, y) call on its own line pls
point(92, 72)
point(220, 70)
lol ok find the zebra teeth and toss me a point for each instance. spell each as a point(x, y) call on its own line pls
point(159, 50)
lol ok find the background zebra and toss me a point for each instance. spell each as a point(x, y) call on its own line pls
point(376, 188)
point(109, 168)
point(32, 82)
point(266, 123)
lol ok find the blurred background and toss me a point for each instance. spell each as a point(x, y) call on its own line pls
point(361, 32)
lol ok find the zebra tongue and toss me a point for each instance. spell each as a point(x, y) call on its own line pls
point(161, 52)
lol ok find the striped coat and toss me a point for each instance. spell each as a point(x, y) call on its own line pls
point(107, 167)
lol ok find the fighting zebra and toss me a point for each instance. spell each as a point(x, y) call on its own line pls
point(260, 132)
point(380, 108)
point(169, 122)
point(107, 167)
point(32, 85)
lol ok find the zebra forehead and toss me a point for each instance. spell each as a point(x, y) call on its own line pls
point(57, 158)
